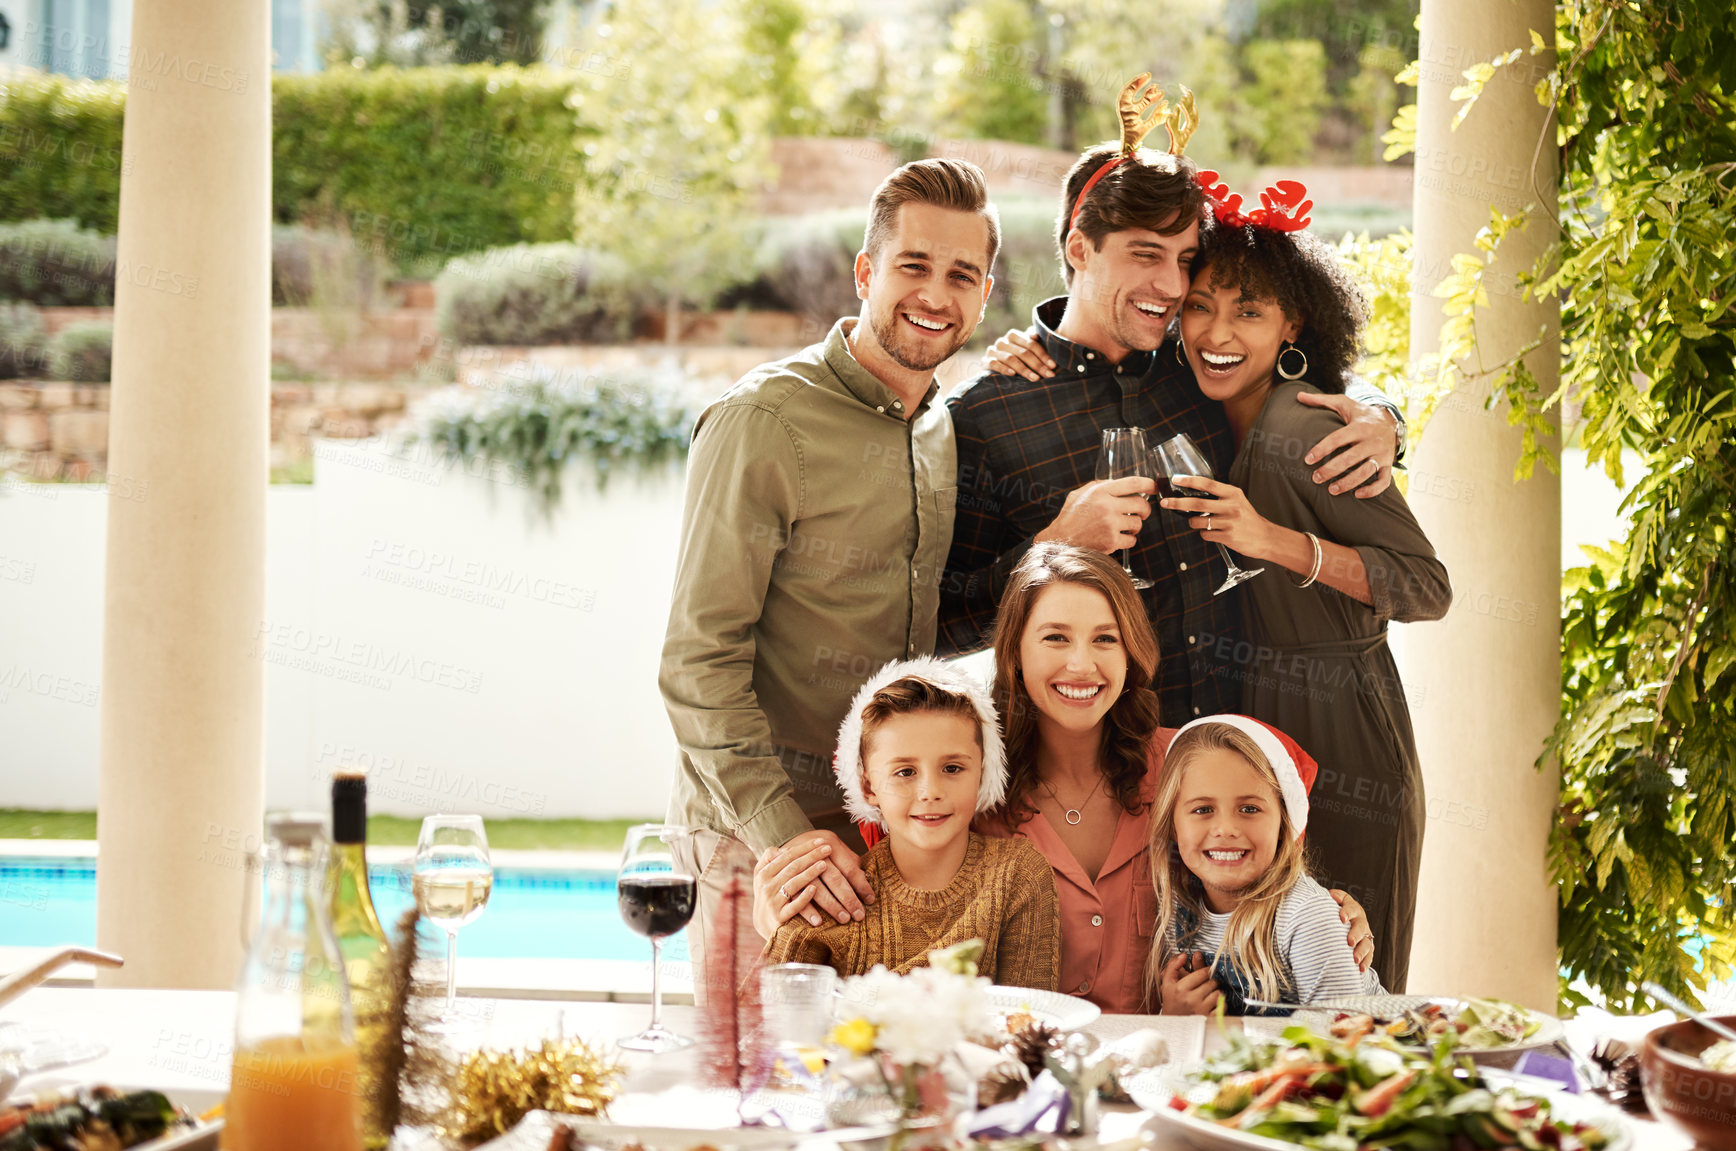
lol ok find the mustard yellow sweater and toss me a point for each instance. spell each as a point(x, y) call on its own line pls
point(1004, 894)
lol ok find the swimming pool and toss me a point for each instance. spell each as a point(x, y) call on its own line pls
point(534, 913)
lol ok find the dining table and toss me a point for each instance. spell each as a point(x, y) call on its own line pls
point(181, 1043)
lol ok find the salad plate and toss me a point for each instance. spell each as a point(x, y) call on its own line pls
point(1313, 1091)
point(1484, 1026)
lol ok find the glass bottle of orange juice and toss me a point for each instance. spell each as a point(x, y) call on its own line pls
point(294, 1085)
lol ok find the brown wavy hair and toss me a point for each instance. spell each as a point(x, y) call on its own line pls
point(1132, 718)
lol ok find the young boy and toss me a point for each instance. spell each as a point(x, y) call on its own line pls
point(919, 755)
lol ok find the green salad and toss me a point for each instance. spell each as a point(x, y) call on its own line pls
point(1370, 1092)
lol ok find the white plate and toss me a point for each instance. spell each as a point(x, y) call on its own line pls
point(1549, 1029)
point(1062, 1012)
point(1153, 1089)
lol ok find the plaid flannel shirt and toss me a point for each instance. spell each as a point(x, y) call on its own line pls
point(1023, 445)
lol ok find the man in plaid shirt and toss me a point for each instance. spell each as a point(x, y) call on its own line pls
point(1028, 442)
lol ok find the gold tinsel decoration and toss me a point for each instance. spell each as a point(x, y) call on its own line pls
point(493, 1090)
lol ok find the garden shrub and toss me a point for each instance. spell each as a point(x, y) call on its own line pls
point(56, 263)
point(82, 352)
point(21, 341)
point(315, 266)
point(536, 294)
point(807, 263)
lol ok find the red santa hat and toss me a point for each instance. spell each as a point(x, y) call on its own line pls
point(848, 760)
point(1294, 767)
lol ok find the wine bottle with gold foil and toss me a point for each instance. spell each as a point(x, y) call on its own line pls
point(362, 942)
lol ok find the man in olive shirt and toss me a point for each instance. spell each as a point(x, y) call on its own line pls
point(820, 495)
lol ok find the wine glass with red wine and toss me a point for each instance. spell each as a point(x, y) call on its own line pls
point(1179, 456)
point(657, 897)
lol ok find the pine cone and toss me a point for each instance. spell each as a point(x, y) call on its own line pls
point(1622, 1066)
point(1002, 1085)
point(1030, 1043)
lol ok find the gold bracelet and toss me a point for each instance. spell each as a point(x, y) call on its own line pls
point(1314, 572)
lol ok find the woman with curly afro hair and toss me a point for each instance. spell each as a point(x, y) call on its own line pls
point(1270, 314)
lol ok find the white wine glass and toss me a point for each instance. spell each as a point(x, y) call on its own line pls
point(657, 897)
point(452, 878)
point(1124, 455)
point(1180, 456)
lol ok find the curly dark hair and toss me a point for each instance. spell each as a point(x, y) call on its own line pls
point(1302, 274)
point(1132, 718)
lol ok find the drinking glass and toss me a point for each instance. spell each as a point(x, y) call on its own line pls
point(452, 878)
point(657, 898)
point(1179, 456)
point(1124, 454)
point(797, 999)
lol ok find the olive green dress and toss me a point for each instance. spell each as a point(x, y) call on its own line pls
point(1316, 665)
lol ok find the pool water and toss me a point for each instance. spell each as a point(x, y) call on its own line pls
point(533, 913)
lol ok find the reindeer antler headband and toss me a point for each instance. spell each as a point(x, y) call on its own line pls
point(1139, 116)
point(1282, 205)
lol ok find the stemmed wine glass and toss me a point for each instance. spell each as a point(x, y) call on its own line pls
point(657, 897)
point(1124, 454)
point(1178, 456)
point(452, 878)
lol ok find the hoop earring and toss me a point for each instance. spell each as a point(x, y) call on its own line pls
point(1179, 357)
point(1299, 372)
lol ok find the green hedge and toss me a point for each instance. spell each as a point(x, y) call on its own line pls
point(424, 162)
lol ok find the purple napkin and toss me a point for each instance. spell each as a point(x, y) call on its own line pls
point(1043, 1107)
point(1540, 1064)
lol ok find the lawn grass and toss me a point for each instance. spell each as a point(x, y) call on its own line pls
point(386, 830)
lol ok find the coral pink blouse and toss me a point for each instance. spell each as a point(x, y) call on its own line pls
point(1106, 926)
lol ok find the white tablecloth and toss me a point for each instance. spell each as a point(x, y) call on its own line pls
point(180, 1042)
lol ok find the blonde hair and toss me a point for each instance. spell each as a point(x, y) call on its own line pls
point(1250, 941)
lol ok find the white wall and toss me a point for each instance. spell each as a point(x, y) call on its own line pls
point(422, 622)
point(430, 625)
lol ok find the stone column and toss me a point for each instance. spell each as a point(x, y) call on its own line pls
point(1484, 682)
point(182, 782)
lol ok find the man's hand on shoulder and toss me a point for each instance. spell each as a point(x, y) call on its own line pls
point(1104, 515)
point(840, 887)
point(1019, 354)
point(1366, 446)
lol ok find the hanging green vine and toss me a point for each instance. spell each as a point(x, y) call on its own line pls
point(534, 431)
point(1644, 264)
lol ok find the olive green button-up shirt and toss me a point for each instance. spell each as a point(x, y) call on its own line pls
point(817, 524)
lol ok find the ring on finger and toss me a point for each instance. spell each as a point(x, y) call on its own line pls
point(784, 892)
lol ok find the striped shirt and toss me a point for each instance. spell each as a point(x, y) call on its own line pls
point(1319, 966)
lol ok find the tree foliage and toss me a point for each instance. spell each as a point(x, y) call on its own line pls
point(415, 33)
point(674, 178)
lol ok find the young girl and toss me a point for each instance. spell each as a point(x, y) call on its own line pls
point(1226, 858)
point(919, 755)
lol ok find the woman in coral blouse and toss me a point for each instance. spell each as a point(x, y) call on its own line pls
point(1074, 660)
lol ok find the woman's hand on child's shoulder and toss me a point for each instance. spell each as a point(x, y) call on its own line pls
point(1187, 987)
